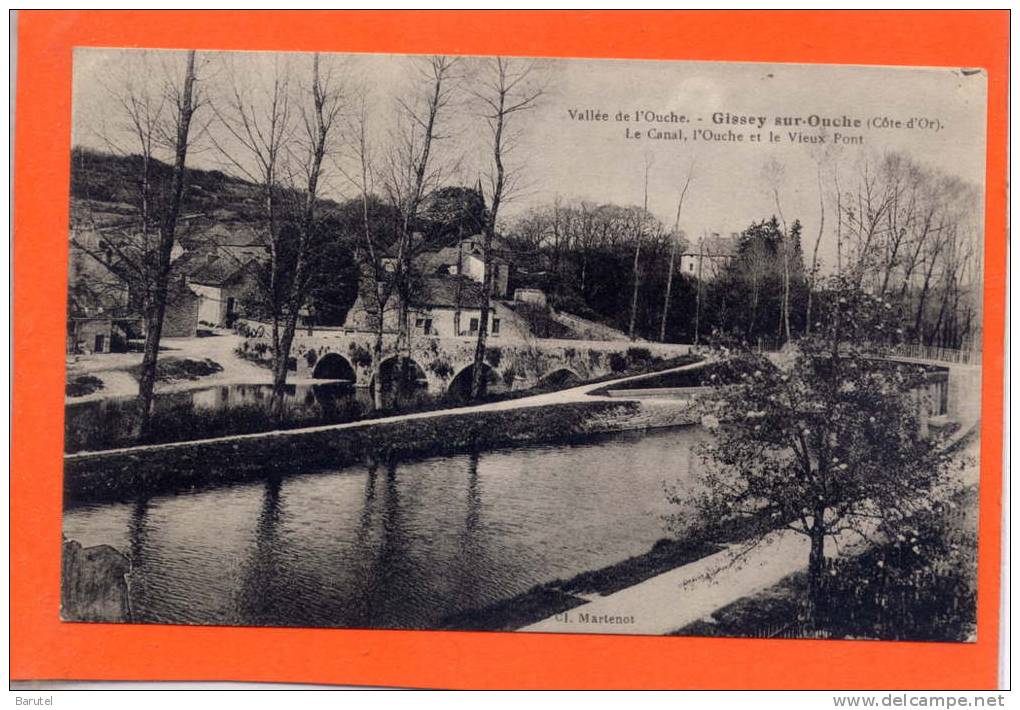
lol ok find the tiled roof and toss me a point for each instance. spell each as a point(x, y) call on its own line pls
point(717, 245)
point(220, 234)
point(218, 271)
point(445, 291)
point(431, 262)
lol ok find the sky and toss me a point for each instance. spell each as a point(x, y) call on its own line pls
point(557, 155)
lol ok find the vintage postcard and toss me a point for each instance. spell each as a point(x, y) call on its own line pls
point(482, 343)
point(536, 347)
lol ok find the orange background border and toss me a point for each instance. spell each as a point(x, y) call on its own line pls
point(44, 648)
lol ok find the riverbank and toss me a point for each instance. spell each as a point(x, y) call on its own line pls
point(760, 590)
point(921, 591)
point(553, 599)
point(200, 409)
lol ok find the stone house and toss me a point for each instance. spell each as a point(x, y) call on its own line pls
point(221, 284)
point(443, 306)
point(710, 256)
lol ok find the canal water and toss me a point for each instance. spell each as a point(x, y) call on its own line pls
point(403, 545)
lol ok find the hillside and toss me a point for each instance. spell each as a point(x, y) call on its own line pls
point(216, 207)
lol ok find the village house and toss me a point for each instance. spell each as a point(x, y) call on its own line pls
point(98, 305)
point(221, 285)
point(710, 255)
point(442, 306)
point(212, 270)
point(220, 268)
point(465, 258)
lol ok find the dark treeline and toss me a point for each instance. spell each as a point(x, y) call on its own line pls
point(582, 256)
point(900, 232)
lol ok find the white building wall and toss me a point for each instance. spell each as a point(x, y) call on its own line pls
point(213, 308)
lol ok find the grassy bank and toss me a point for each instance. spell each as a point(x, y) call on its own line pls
point(145, 471)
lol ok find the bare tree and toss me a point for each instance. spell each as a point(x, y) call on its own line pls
point(259, 128)
point(649, 160)
point(774, 175)
point(377, 283)
point(155, 117)
point(318, 127)
point(864, 221)
point(278, 130)
point(908, 234)
point(506, 88)
point(821, 154)
point(411, 173)
point(675, 238)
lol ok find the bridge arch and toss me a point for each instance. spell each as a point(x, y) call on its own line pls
point(334, 366)
point(460, 384)
point(561, 376)
point(387, 374)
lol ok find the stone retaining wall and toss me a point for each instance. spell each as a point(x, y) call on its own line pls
point(147, 470)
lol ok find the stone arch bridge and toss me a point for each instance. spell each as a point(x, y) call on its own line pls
point(442, 362)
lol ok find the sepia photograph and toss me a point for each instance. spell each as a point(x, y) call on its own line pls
point(523, 344)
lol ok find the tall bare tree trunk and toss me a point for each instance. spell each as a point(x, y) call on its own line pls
point(697, 302)
point(167, 232)
point(672, 255)
point(377, 348)
point(478, 379)
point(508, 93)
point(669, 289)
point(318, 125)
point(814, 255)
point(637, 254)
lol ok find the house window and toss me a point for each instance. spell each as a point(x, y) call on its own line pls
point(495, 326)
point(474, 325)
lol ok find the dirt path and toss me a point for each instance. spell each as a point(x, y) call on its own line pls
point(674, 599)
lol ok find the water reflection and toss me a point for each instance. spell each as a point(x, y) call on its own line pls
point(394, 544)
point(259, 588)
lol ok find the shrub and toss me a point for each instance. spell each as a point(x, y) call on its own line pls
point(252, 356)
point(441, 368)
point(174, 369)
point(639, 355)
point(81, 385)
point(494, 355)
point(360, 355)
point(617, 362)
